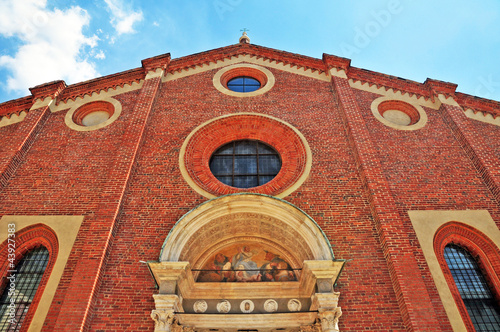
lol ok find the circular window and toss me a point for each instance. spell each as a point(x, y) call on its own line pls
point(245, 164)
point(399, 114)
point(93, 115)
point(245, 152)
point(243, 80)
point(243, 84)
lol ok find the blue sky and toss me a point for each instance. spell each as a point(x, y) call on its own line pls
point(455, 41)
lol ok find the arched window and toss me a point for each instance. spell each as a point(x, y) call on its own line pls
point(481, 305)
point(20, 288)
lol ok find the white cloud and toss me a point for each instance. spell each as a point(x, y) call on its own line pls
point(100, 55)
point(52, 43)
point(123, 18)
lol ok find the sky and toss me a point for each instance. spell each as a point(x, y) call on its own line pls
point(74, 40)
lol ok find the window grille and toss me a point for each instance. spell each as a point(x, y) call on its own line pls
point(481, 305)
point(20, 290)
point(243, 84)
point(245, 164)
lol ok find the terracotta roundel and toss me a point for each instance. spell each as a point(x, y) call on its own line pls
point(399, 114)
point(205, 140)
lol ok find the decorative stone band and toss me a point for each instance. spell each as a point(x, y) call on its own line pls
point(483, 117)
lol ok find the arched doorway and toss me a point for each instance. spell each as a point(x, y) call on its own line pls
point(246, 262)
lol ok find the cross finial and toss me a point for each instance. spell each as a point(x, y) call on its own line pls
point(244, 39)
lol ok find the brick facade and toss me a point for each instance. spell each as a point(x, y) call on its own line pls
point(365, 176)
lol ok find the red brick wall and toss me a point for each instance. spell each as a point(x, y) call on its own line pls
point(333, 195)
point(125, 180)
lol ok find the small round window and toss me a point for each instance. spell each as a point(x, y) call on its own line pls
point(243, 84)
point(245, 164)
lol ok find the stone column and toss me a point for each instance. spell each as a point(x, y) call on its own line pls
point(325, 300)
point(164, 314)
point(328, 310)
point(168, 275)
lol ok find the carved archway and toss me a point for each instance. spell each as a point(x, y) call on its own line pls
point(257, 223)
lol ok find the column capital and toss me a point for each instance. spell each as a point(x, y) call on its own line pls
point(330, 320)
point(164, 314)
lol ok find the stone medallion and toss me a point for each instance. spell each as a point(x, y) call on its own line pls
point(270, 305)
point(247, 306)
point(200, 306)
point(294, 305)
point(223, 306)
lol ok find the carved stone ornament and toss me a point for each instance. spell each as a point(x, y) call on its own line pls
point(294, 305)
point(247, 306)
point(271, 305)
point(200, 306)
point(223, 307)
point(316, 327)
point(179, 328)
point(164, 319)
point(330, 320)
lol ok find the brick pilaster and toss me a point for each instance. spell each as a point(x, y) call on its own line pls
point(484, 159)
point(412, 296)
point(24, 133)
point(75, 313)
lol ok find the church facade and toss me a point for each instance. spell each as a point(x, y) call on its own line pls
point(249, 189)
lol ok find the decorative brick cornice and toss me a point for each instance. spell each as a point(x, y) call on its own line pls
point(157, 62)
point(477, 104)
point(260, 52)
point(101, 83)
point(440, 87)
point(333, 61)
point(389, 82)
point(15, 106)
point(50, 89)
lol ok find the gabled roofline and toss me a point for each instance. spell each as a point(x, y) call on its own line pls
point(321, 66)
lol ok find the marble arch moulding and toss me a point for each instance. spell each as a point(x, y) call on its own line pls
point(268, 217)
